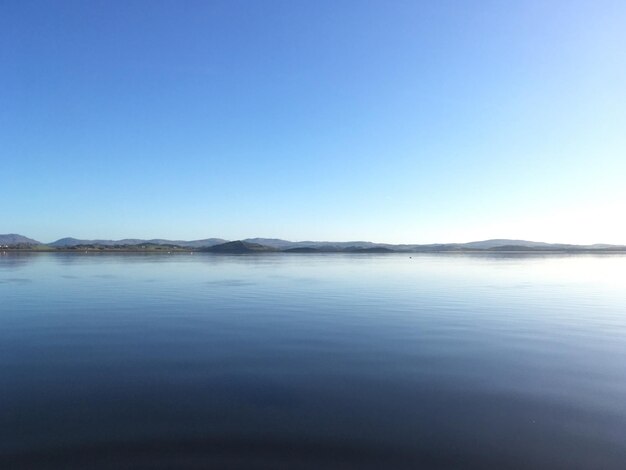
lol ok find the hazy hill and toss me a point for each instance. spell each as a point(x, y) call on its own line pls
point(276, 244)
point(486, 244)
point(373, 249)
point(238, 246)
point(190, 243)
point(302, 249)
point(326, 245)
point(15, 239)
point(271, 242)
point(69, 242)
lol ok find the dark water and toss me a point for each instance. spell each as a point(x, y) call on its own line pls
point(312, 361)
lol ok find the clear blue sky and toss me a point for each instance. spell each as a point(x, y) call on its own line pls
point(398, 121)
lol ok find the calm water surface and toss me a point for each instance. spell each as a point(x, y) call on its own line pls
point(312, 361)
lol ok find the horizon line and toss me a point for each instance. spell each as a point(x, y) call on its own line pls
point(309, 240)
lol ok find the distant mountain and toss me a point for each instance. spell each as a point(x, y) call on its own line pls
point(341, 245)
point(250, 245)
point(12, 239)
point(518, 248)
point(63, 242)
point(288, 245)
point(239, 246)
point(188, 244)
point(302, 249)
point(487, 244)
point(373, 249)
point(272, 242)
point(520, 245)
point(275, 243)
point(205, 242)
point(69, 242)
point(484, 245)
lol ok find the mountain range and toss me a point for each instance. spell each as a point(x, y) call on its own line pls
point(68, 242)
point(220, 245)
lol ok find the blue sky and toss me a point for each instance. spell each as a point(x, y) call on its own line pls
point(397, 121)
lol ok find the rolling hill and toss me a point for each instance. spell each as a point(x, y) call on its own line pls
point(258, 245)
point(13, 239)
point(69, 242)
point(238, 246)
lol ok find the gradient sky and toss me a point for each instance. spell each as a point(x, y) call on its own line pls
point(396, 121)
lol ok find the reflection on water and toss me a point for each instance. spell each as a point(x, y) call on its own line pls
point(312, 361)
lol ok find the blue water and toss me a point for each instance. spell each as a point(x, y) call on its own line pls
point(312, 361)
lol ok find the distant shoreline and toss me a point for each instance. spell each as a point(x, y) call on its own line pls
point(293, 252)
point(17, 243)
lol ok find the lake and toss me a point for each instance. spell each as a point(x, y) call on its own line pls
point(312, 361)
